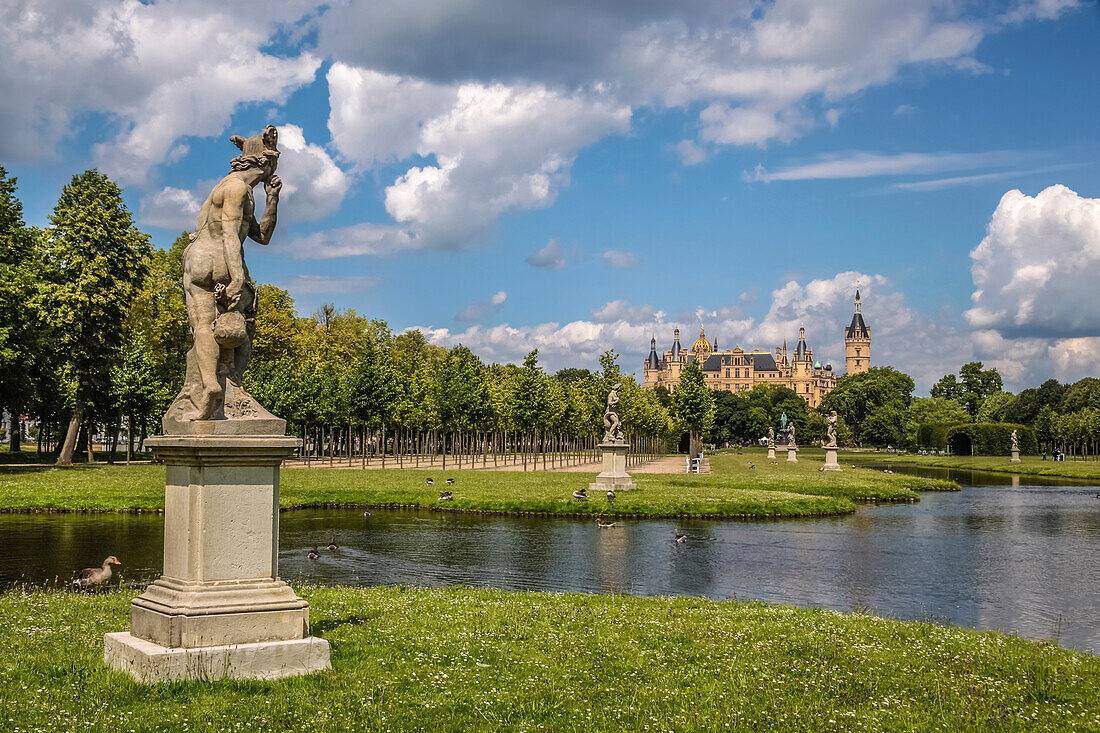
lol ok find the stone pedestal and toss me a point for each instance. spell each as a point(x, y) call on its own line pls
point(771, 452)
point(1015, 457)
point(830, 460)
point(613, 475)
point(219, 610)
point(792, 454)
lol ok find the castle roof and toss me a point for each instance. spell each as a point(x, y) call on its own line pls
point(858, 329)
point(652, 361)
point(701, 344)
point(763, 363)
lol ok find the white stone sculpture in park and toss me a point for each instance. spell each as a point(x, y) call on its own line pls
point(219, 609)
point(613, 449)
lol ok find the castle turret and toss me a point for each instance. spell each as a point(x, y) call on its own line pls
point(676, 345)
point(652, 362)
point(857, 342)
point(801, 351)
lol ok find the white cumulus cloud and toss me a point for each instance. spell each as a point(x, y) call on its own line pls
point(1035, 271)
point(547, 257)
point(620, 259)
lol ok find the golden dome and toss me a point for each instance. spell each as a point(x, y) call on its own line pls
point(701, 344)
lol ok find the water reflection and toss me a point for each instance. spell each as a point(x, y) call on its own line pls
point(1023, 559)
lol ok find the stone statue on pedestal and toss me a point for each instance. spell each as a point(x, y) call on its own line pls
point(220, 296)
point(830, 430)
point(790, 435)
point(1015, 442)
point(613, 426)
point(771, 437)
point(220, 609)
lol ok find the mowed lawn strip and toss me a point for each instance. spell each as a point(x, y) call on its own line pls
point(1028, 465)
point(458, 659)
point(733, 489)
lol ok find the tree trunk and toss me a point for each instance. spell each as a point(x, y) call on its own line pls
point(65, 458)
point(16, 431)
point(91, 440)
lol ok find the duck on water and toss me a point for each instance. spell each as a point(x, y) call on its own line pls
point(95, 576)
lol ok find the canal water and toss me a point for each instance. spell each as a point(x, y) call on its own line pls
point(1016, 554)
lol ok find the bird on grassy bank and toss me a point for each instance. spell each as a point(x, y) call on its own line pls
point(580, 494)
point(332, 544)
point(314, 553)
point(446, 496)
point(450, 482)
point(430, 481)
point(611, 496)
point(752, 465)
point(604, 525)
point(677, 537)
point(95, 576)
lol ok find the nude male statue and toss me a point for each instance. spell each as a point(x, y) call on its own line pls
point(613, 426)
point(221, 299)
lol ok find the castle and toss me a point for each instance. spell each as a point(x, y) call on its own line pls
point(739, 370)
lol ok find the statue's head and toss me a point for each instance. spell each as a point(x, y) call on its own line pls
point(258, 151)
point(833, 413)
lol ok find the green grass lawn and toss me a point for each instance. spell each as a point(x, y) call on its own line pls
point(457, 659)
point(1028, 465)
point(732, 490)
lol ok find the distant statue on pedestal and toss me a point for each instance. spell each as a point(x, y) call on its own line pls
point(790, 436)
point(771, 437)
point(830, 443)
point(613, 426)
point(1015, 442)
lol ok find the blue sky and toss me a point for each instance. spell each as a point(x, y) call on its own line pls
point(578, 176)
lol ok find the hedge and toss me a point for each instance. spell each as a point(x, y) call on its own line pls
point(988, 438)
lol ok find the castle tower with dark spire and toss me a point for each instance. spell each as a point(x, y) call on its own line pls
point(857, 342)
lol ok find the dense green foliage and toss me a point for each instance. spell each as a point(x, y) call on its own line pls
point(93, 262)
point(874, 404)
point(459, 659)
point(94, 336)
point(21, 348)
point(693, 403)
point(971, 388)
point(986, 439)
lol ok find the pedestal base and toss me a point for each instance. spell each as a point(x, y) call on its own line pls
point(792, 454)
point(1015, 457)
point(219, 609)
point(614, 475)
point(830, 460)
point(771, 453)
point(266, 660)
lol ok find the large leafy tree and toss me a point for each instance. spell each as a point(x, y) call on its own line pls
point(971, 388)
point(372, 385)
point(693, 402)
point(881, 392)
point(21, 337)
point(94, 261)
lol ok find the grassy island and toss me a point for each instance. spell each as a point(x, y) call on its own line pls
point(1028, 465)
point(457, 659)
point(740, 486)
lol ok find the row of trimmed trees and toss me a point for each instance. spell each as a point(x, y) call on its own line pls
point(94, 333)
